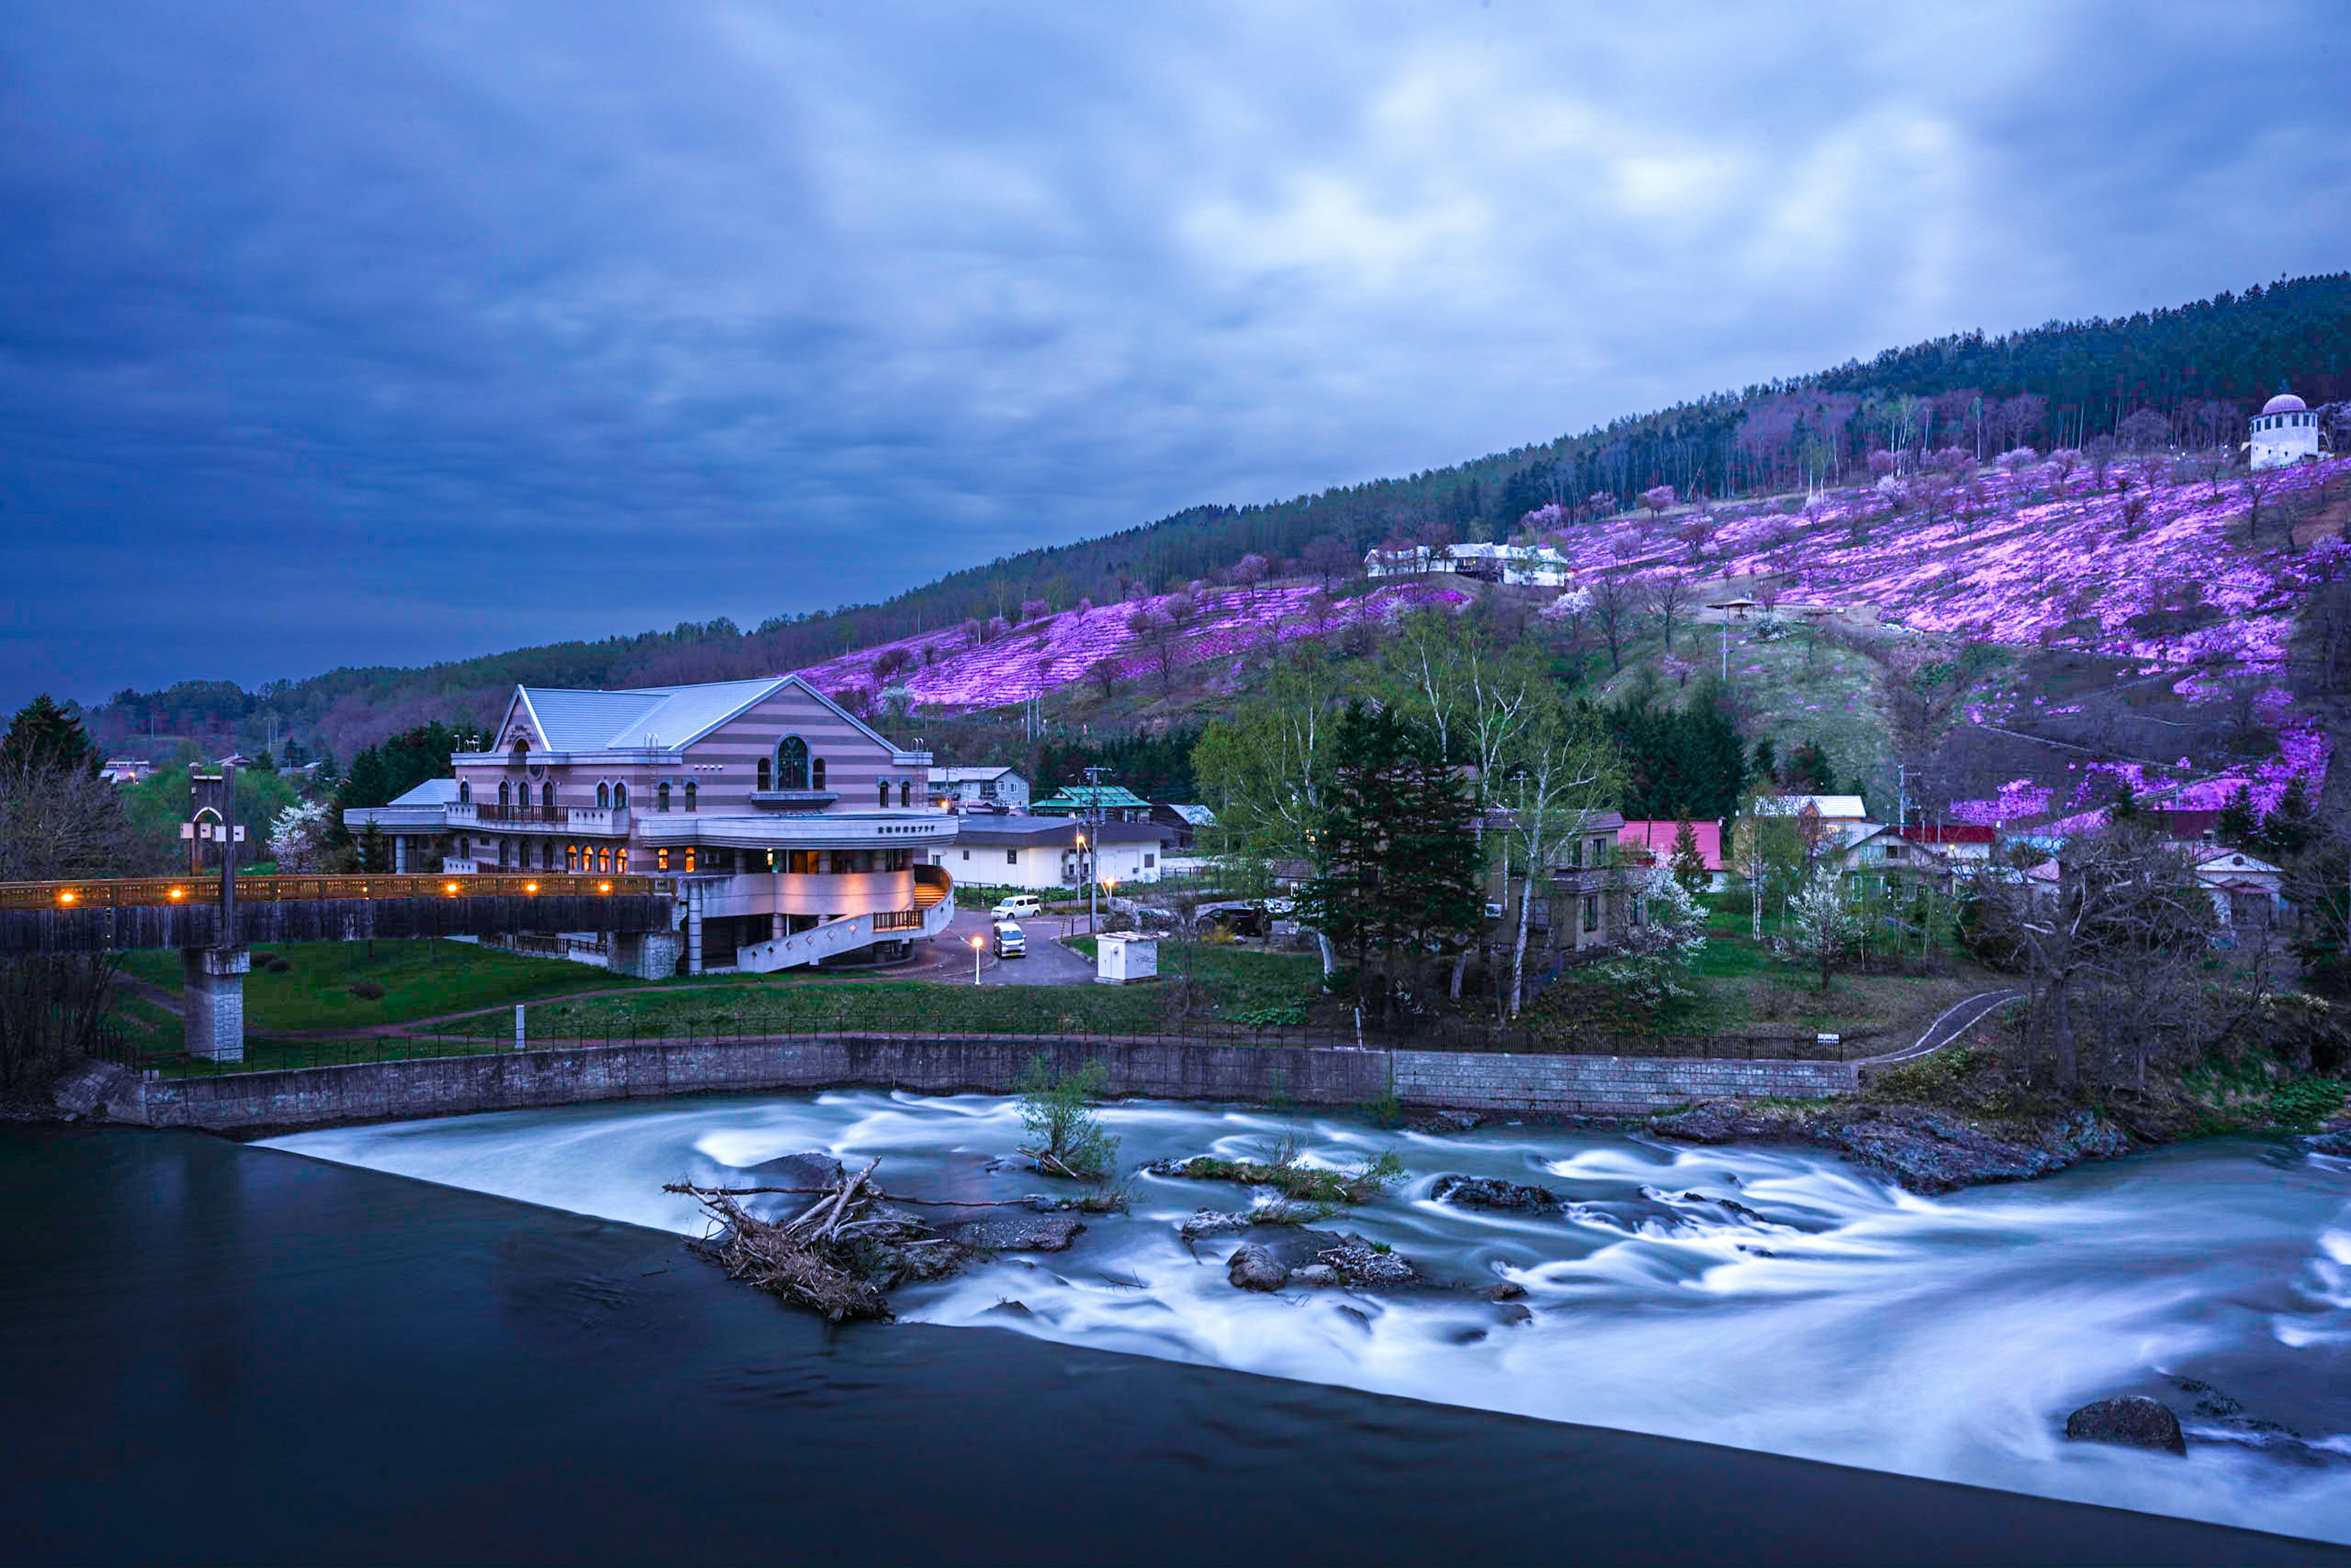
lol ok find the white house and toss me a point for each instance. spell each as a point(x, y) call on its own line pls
point(1046, 854)
point(1520, 566)
point(1832, 809)
point(978, 789)
point(2284, 432)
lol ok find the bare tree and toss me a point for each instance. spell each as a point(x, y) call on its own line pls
point(1562, 768)
point(2112, 936)
point(58, 822)
point(1614, 601)
point(1330, 559)
point(1669, 593)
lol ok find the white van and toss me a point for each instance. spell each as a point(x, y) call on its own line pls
point(1018, 907)
point(1010, 941)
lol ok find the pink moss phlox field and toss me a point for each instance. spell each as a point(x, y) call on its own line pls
point(949, 672)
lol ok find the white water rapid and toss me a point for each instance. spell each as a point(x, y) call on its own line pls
point(1828, 1315)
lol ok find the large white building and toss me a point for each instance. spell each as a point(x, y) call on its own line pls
point(797, 833)
point(1521, 565)
point(2284, 432)
point(978, 789)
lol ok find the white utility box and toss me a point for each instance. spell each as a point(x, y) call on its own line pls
point(1121, 957)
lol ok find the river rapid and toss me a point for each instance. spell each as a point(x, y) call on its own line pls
point(1777, 1299)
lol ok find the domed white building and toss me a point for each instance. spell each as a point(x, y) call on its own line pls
point(2284, 432)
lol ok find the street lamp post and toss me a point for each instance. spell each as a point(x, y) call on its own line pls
point(1086, 870)
point(1110, 888)
point(977, 946)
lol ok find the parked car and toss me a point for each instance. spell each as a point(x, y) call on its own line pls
point(1017, 907)
point(1237, 919)
point(1011, 942)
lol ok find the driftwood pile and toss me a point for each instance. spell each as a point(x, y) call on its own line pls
point(839, 1255)
point(842, 1253)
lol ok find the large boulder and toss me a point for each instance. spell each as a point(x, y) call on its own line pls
point(1252, 1267)
point(1487, 1192)
point(1017, 1233)
point(2133, 1422)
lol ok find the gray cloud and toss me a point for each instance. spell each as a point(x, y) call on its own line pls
point(388, 333)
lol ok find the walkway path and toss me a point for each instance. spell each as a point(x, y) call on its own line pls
point(1954, 1021)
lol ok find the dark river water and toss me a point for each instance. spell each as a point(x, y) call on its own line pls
point(214, 1353)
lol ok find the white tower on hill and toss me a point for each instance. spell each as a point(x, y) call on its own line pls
point(2284, 432)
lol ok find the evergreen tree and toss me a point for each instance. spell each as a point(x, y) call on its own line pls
point(2238, 825)
point(2286, 830)
point(45, 736)
point(1397, 861)
point(1808, 771)
point(1766, 765)
point(1688, 864)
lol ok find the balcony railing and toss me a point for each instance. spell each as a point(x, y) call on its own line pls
point(570, 819)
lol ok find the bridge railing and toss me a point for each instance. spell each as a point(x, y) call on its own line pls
point(152, 891)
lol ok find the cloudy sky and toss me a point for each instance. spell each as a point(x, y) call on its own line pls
point(380, 333)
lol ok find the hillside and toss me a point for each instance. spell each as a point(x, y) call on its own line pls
point(2193, 371)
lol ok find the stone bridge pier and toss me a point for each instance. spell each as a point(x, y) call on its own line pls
point(214, 980)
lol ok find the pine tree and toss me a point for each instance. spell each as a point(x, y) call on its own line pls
point(1689, 866)
point(2286, 830)
point(2237, 826)
point(1397, 861)
point(43, 735)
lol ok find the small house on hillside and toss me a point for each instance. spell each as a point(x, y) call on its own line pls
point(978, 789)
point(1961, 844)
point(1831, 807)
point(2284, 432)
point(1519, 566)
point(126, 770)
point(1185, 820)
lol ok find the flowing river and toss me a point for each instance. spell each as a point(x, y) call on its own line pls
point(1773, 1300)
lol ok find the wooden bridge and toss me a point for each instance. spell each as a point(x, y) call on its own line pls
point(98, 916)
point(211, 919)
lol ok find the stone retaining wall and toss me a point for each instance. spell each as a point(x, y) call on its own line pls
point(1159, 1070)
point(1605, 1085)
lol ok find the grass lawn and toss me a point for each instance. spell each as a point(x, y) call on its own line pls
point(420, 979)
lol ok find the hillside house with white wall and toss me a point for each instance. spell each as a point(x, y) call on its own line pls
point(2284, 432)
point(1521, 565)
point(1049, 854)
point(798, 833)
point(978, 789)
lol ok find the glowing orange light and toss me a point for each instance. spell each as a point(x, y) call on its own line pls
point(531, 887)
point(603, 887)
point(67, 896)
point(451, 888)
point(179, 892)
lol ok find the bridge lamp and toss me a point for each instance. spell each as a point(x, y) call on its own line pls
point(178, 894)
point(603, 887)
point(450, 888)
point(531, 887)
point(67, 896)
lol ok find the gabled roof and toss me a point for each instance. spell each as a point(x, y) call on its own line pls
point(2212, 861)
point(432, 792)
point(1109, 797)
point(651, 719)
point(1197, 816)
point(1949, 833)
point(969, 775)
point(1657, 836)
point(1849, 807)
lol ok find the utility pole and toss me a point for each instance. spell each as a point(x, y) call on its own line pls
point(1094, 815)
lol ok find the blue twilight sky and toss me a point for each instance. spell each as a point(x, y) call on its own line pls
point(355, 333)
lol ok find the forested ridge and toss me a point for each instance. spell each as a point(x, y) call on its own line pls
point(2202, 367)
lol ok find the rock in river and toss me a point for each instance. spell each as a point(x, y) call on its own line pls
point(2135, 1422)
point(1487, 1192)
point(1252, 1267)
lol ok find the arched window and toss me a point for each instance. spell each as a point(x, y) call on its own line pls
point(690, 792)
point(660, 796)
point(521, 752)
point(620, 859)
point(767, 776)
point(502, 794)
point(905, 791)
point(571, 857)
point(465, 793)
point(620, 797)
point(546, 797)
point(603, 796)
point(792, 765)
point(816, 773)
point(506, 851)
point(882, 790)
point(605, 858)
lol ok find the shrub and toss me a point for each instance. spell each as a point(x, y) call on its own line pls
point(1065, 1137)
point(367, 990)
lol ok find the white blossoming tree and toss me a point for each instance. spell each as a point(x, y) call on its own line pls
point(298, 839)
point(1821, 926)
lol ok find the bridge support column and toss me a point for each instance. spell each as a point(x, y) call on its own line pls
point(646, 955)
point(216, 1001)
point(694, 928)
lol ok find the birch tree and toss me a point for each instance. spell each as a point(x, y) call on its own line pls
point(1563, 771)
point(1266, 770)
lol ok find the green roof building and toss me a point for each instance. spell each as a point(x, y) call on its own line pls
point(1114, 802)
